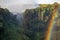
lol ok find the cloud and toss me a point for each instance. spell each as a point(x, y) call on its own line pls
point(10, 2)
point(18, 5)
point(58, 1)
point(21, 5)
point(21, 8)
point(47, 1)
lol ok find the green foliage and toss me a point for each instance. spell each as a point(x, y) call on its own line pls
point(10, 28)
point(33, 28)
point(36, 21)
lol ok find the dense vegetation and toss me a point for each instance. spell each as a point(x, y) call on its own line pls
point(33, 27)
point(36, 21)
point(9, 28)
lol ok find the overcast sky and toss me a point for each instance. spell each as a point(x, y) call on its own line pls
point(21, 5)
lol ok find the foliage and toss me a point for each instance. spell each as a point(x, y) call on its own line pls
point(36, 22)
point(33, 27)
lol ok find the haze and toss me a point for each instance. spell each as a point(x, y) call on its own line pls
point(21, 5)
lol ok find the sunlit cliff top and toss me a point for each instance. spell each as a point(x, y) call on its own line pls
point(45, 5)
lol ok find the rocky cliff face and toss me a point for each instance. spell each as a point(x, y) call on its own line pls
point(56, 29)
point(36, 20)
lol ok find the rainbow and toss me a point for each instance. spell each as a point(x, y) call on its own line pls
point(50, 25)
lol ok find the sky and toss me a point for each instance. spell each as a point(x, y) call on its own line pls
point(47, 1)
point(21, 5)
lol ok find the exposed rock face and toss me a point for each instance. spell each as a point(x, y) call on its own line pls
point(42, 15)
point(56, 29)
